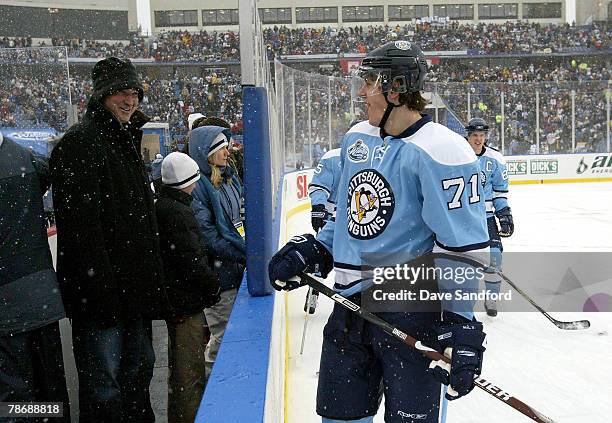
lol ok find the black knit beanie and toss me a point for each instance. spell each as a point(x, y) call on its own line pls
point(112, 74)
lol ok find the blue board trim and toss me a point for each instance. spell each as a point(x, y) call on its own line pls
point(236, 389)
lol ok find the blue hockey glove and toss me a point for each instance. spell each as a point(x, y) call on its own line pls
point(462, 341)
point(318, 216)
point(505, 221)
point(303, 253)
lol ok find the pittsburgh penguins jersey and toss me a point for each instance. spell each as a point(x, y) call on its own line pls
point(416, 193)
point(322, 189)
point(494, 179)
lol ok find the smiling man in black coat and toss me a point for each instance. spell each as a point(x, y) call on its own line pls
point(109, 264)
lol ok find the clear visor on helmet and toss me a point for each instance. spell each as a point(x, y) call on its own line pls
point(477, 128)
point(367, 81)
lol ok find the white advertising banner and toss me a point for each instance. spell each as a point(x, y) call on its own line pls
point(296, 190)
point(560, 168)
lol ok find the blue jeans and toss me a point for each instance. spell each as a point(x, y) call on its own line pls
point(115, 367)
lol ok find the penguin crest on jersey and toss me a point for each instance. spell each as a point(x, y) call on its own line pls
point(370, 204)
point(403, 45)
point(358, 152)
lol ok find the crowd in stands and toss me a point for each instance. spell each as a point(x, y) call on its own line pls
point(30, 99)
point(19, 42)
point(554, 84)
point(531, 71)
point(490, 38)
point(509, 37)
point(34, 101)
point(42, 99)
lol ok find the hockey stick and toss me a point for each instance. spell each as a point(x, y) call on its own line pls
point(430, 353)
point(573, 325)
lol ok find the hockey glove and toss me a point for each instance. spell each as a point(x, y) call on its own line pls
point(318, 216)
point(303, 253)
point(505, 221)
point(462, 341)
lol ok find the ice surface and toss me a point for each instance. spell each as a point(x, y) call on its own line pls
point(563, 374)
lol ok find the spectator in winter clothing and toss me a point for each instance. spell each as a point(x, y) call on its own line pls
point(31, 364)
point(236, 159)
point(192, 119)
point(156, 172)
point(191, 124)
point(217, 199)
point(109, 263)
point(190, 283)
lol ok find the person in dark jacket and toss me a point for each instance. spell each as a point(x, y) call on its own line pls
point(31, 363)
point(109, 263)
point(190, 283)
point(217, 203)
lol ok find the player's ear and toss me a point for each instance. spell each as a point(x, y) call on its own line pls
point(393, 97)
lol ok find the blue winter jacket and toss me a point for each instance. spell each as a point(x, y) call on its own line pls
point(219, 235)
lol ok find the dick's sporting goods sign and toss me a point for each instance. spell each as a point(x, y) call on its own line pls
point(517, 167)
point(544, 167)
point(567, 167)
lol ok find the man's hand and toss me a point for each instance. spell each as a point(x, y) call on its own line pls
point(302, 253)
point(463, 342)
point(318, 217)
point(505, 222)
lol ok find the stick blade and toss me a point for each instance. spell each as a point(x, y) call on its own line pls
point(577, 325)
point(539, 417)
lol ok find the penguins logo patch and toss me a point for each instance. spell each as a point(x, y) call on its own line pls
point(358, 152)
point(403, 45)
point(370, 204)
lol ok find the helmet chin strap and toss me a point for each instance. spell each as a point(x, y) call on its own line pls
point(388, 110)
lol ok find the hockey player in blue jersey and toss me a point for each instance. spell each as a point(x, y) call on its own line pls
point(322, 192)
point(494, 177)
point(407, 185)
point(322, 189)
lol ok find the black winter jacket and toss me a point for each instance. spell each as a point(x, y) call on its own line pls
point(191, 285)
point(109, 263)
point(29, 296)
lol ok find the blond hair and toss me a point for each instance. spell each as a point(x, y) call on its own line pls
point(216, 177)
